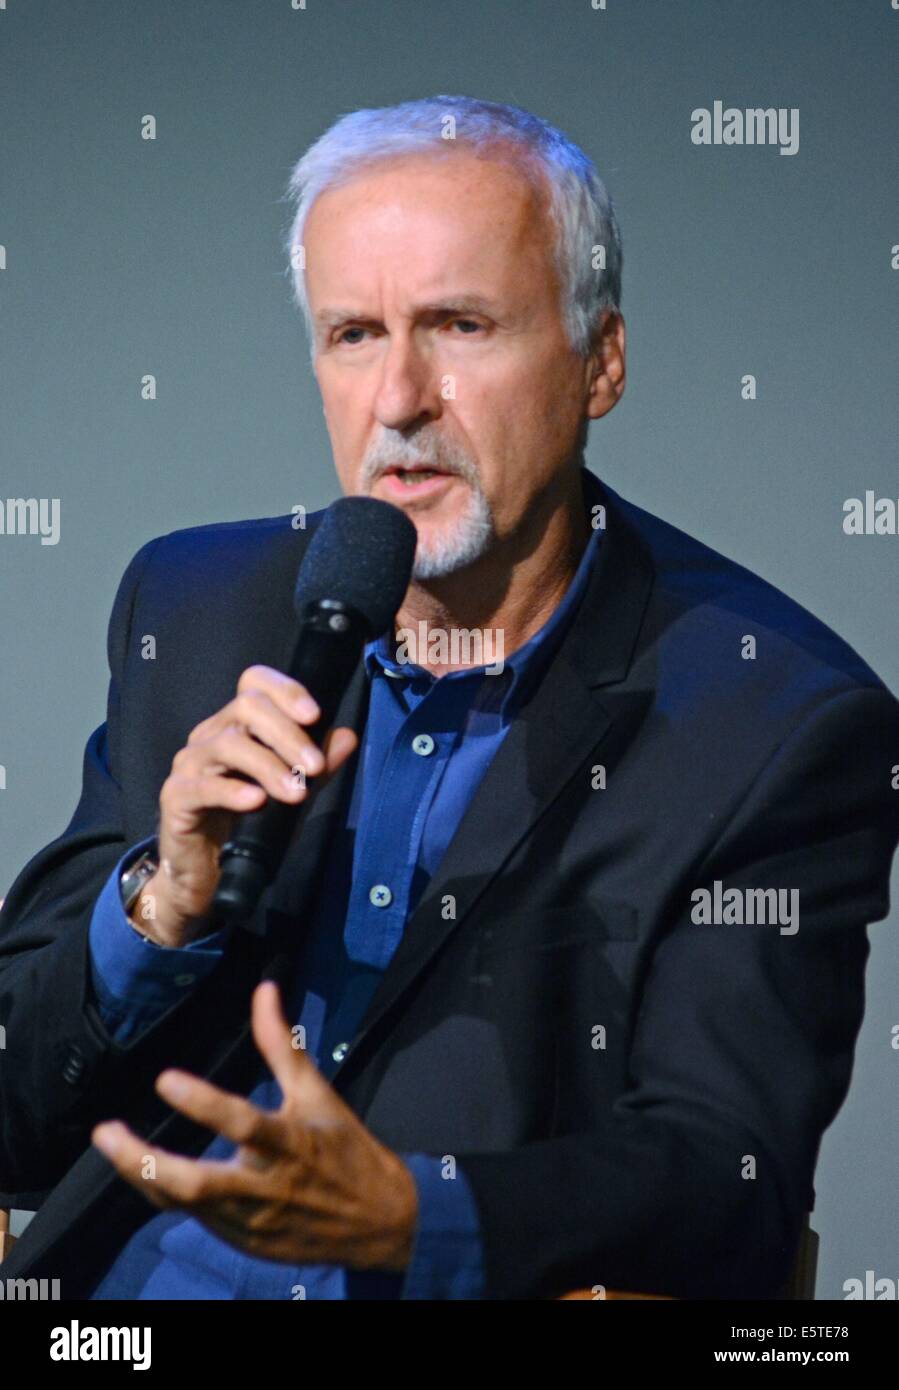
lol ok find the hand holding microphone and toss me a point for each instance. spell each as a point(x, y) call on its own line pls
point(221, 838)
point(259, 734)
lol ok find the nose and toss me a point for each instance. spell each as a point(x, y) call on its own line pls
point(408, 392)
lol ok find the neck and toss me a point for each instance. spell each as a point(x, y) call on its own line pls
point(506, 595)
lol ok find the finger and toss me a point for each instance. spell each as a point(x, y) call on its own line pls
point(337, 746)
point(234, 751)
point(289, 694)
point(167, 1179)
point(232, 1116)
point(256, 712)
point(291, 1067)
point(188, 791)
point(184, 798)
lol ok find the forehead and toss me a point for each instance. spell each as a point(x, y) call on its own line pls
point(421, 220)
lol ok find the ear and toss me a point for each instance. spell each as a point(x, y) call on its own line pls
point(605, 365)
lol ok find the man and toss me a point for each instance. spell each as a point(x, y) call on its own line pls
point(562, 975)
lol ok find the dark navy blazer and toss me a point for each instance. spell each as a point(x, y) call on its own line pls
point(635, 1096)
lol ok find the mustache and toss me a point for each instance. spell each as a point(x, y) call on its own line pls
point(430, 451)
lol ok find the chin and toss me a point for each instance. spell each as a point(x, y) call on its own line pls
point(441, 556)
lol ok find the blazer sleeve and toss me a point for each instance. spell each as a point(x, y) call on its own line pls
point(741, 1052)
point(54, 1035)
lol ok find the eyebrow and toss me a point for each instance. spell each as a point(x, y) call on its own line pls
point(452, 304)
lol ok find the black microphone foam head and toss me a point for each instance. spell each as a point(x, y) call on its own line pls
point(360, 553)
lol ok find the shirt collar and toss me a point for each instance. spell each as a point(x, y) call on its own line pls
point(522, 670)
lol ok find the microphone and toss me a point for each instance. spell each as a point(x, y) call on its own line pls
point(351, 582)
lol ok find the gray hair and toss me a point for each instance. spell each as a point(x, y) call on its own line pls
point(580, 206)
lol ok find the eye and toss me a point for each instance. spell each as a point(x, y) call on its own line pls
point(343, 335)
point(466, 325)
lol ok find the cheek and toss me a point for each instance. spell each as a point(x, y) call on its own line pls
point(344, 416)
point(510, 419)
point(509, 416)
point(333, 393)
point(553, 411)
point(491, 395)
point(522, 386)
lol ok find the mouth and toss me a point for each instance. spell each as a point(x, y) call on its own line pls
point(417, 480)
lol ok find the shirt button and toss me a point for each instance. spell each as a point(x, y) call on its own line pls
point(340, 1051)
point(423, 744)
point(184, 980)
point(380, 895)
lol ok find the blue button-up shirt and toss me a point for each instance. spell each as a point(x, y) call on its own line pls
point(426, 745)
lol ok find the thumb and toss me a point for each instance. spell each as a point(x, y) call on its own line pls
point(291, 1066)
point(337, 746)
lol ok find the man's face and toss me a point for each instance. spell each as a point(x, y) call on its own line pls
point(440, 341)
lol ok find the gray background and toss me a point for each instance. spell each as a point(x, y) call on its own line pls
point(127, 257)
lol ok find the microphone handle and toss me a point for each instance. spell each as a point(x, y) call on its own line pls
point(325, 655)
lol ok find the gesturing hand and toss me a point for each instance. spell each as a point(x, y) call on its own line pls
point(308, 1184)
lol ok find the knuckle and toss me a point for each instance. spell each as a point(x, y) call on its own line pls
point(251, 676)
point(263, 1218)
point(192, 1187)
point(167, 792)
point(247, 703)
point(248, 1126)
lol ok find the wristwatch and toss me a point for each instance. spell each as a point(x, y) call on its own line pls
point(133, 878)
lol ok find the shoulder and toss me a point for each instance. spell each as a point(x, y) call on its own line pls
point(713, 619)
point(223, 557)
point(239, 573)
point(248, 542)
